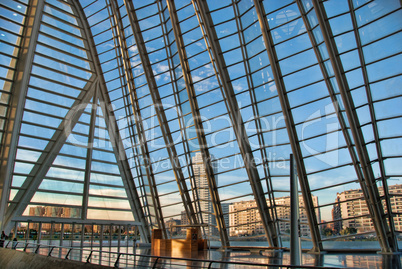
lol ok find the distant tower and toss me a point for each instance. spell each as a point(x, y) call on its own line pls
point(204, 196)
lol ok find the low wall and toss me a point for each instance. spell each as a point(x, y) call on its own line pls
point(14, 259)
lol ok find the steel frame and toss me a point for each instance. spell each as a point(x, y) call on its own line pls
point(215, 52)
point(48, 155)
point(199, 128)
point(332, 93)
point(301, 170)
point(391, 234)
point(160, 113)
point(181, 119)
point(115, 138)
point(387, 243)
point(138, 120)
point(91, 135)
point(18, 90)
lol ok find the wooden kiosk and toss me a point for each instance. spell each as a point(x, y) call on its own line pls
point(192, 243)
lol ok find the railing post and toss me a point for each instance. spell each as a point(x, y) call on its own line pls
point(25, 248)
point(156, 261)
point(117, 261)
point(295, 248)
point(50, 252)
point(37, 248)
point(89, 257)
point(68, 253)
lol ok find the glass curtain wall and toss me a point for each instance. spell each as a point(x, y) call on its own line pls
point(153, 114)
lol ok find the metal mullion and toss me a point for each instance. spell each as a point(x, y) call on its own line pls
point(62, 11)
point(29, 36)
point(304, 68)
point(109, 208)
point(58, 192)
point(49, 204)
point(376, 61)
point(288, 22)
point(153, 39)
point(104, 185)
point(104, 31)
point(61, 179)
point(232, 155)
point(273, 145)
point(327, 169)
point(378, 100)
point(198, 53)
point(144, 18)
point(43, 114)
point(344, 201)
point(188, 31)
point(266, 115)
point(232, 184)
point(293, 139)
point(12, 33)
point(379, 18)
point(206, 92)
point(118, 67)
point(106, 196)
point(46, 103)
point(61, 72)
point(30, 149)
point(106, 51)
point(387, 241)
point(309, 84)
point(106, 42)
point(319, 117)
point(191, 43)
point(319, 135)
point(60, 30)
point(51, 92)
point(168, 193)
point(231, 170)
point(378, 39)
point(62, 41)
point(13, 57)
point(206, 158)
point(166, 182)
point(324, 152)
point(14, 10)
point(137, 113)
point(168, 205)
point(14, 22)
point(59, 83)
point(335, 185)
point(89, 156)
point(237, 197)
point(62, 62)
point(374, 125)
point(37, 137)
point(297, 53)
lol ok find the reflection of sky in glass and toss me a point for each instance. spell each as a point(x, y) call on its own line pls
point(62, 66)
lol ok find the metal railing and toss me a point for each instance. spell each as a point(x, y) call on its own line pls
point(133, 260)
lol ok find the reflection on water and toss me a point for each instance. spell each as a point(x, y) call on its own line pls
point(141, 258)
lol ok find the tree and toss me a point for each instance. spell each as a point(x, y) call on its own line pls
point(348, 230)
point(327, 232)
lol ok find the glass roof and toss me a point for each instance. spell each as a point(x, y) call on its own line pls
point(144, 112)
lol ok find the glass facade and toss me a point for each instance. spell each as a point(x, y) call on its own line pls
point(118, 114)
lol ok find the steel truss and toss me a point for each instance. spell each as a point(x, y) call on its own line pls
point(206, 157)
point(301, 169)
point(215, 51)
point(160, 113)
